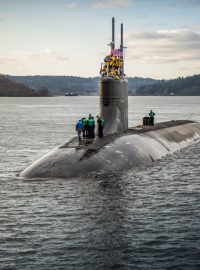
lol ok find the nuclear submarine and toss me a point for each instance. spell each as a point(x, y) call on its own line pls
point(121, 148)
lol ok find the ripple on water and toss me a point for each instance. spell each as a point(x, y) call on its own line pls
point(147, 218)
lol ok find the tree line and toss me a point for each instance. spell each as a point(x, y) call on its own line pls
point(59, 85)
point(13, 89)
point(188, 86)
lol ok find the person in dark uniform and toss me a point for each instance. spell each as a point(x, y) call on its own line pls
point(85, 127)
point(100, 124)
point(151, 117)
point(91, 127)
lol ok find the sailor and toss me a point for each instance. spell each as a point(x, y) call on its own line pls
point(120, 66)
point(100, 123)
point(112, 60)
point(104, 69)
point(91, 127)
point(107, 65)
point(111, 74)
point(85, 127)
point(116, 74)
point(117, 61)
point(151, 117)
point(107, 58)
point(79, 128)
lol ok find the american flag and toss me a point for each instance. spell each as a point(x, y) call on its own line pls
point(116, 52)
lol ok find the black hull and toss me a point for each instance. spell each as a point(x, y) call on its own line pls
point(119, 152)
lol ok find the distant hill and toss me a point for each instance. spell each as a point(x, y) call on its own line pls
point(59, 85)
point(13, 89)
point(189, 86)
point(135, 82)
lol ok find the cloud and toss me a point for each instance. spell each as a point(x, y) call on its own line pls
point(2, 18)
point(164, 46)
point(186, 3)
point(48, 55)
point(72, 5)
point(111, 4)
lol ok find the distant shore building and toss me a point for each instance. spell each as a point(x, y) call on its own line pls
point(70, 94)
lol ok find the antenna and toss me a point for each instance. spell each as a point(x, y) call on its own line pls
point(122, 49)
point(113, 34)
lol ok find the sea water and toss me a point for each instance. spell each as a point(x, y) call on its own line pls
point(144, 218)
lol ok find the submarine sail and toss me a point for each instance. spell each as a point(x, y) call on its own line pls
point(113, 89)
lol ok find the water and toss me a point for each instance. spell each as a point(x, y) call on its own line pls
point(146, 218)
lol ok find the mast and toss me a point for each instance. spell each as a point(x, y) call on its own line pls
point(122, 50)
point(113, 34)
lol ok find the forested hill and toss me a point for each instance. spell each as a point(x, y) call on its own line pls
point(59, 85)
point(189, 86)
point(9, 88)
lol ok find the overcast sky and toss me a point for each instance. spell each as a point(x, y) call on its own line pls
point(61, 37)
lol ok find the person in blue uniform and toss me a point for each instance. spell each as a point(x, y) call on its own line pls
point(79, 128)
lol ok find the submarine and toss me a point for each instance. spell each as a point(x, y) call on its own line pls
point(122, 147)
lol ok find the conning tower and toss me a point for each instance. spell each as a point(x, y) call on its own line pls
point(114, 88)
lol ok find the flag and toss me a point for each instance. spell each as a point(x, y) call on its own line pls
point(116, 52)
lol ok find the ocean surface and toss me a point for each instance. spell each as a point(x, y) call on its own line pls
point(146, 218)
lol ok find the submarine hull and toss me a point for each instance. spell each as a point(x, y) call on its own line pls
point(134, 148)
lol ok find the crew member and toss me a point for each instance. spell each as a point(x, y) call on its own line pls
point(85, 127)
point(79, 129)
point(100, 123)
point(151, 117)
point(91, 127)
point(112, 61)
point(104, 69)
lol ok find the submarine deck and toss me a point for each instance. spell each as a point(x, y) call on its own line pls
point(96, 144)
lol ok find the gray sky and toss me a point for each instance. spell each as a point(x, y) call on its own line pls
point(60, 37)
